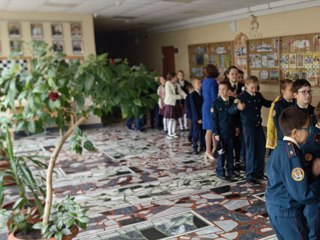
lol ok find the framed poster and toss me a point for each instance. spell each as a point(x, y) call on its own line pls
point(16, 46)
point(76, 30)
point(58, 45)
point(77, 47)
point(36, 30)
point(14, 30)
point(57, 30)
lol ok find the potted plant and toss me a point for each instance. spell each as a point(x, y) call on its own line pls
point(63, 93)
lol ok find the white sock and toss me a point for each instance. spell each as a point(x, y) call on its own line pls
point(165, 124)
point(185, 121)
point(170, 122)
point(180, 123)
point(174, 125)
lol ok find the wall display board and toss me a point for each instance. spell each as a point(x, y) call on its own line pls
point(241, 52)
point(219, 54)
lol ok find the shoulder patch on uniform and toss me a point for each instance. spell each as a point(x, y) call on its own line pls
point(297, 174)
point(290, 150)
point(274, 112)
point(236, 101)
point(308, 157)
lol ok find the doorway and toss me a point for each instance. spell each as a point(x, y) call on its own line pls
point(168, 64)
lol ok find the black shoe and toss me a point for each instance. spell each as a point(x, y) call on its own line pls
point(190, 139)
point(263, 178)
point(222, 177)
point(231, 178)
point(252, 181)
point(195, 152)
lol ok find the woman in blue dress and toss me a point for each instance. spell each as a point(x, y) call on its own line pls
point(209, 93)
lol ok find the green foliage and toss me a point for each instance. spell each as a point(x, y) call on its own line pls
point(64, 215)
point(79, 141)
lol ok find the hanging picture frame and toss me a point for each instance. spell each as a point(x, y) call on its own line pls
point(58, 45)
point(77, 47)
point(14, 30)
point(36, 31)
point(57, 30)
point(76, 30)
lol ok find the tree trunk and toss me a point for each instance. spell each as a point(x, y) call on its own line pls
point(50, 169)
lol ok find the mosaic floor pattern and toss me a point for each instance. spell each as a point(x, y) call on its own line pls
point(141, 186)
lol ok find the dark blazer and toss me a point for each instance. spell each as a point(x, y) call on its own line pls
point(239, 89)
point(196, 101)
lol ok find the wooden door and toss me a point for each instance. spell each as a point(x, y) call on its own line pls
point(168, 64)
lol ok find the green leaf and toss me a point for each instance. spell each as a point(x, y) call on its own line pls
point(137, 102)
point(89, 146)
point(89, 82)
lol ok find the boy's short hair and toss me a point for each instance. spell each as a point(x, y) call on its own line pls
point(292, 118)
point(300, 83)
point(240, 72)
point(252, 79)
point(317, 112)
point(226, 83)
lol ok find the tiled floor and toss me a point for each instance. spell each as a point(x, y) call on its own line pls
point(143, 186)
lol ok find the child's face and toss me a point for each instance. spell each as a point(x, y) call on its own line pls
point(240, 77)
point(174, 79)
point(301, 135)
point(197, 85)
point(303, 96)
point(316, 167)
point(180, 76)
point(252, 87)
point(223, 90)
point(233, 75)
point(287, 92)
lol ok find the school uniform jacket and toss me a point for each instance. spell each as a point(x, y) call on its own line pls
point(239, 88)
point(251, 115)
point(310, 111)
point(196, 101)
point(224, 123)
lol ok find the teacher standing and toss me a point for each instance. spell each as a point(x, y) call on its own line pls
point(210, 93)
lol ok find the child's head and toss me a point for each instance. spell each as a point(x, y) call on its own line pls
point(252, 84)
point(162, 80)
point(171, 76)
point(295, 123)
point(211, 71)
point(317, 112)
point(286, 89)
point(240, 76)
point(190, 88)
point(232, 74)
point(196, 83)
point(301, 89)
point(224, 87)
point(180, 75)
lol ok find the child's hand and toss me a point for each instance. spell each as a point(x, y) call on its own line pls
point(200, 121)
point(217, 137)
point(237, 132)
point(316, 167)
point(241, 106)
point(232, 94)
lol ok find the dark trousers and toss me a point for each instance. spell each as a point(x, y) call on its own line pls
point(197, 135)
point(311, 212)
point(138, 123)
point(237, 147)
point(255, 142)
point(190, 131)
point(227, 144)
point(294, 228)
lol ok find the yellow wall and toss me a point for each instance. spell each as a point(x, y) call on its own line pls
point(25, 19)
point(287, 23)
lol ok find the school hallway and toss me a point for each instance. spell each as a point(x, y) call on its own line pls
point(140, 185)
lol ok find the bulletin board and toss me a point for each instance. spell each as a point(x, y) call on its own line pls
point(198, 58)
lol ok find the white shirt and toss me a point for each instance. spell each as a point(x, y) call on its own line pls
point(303, 107)
point(285, 138)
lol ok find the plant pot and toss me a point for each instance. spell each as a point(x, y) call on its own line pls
point(4, 165)
point(74, 231)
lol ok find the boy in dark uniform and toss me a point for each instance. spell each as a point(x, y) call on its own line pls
point(188, 110)
point(253, 134)
point(196, 101)
point(302, 92)
point(288, 189)
point(285, 101)
point(311, 153)
point(225, 127)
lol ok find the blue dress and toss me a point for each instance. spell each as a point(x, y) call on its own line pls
point(209, 93)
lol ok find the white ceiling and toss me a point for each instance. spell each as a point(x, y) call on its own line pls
point(137, 14)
